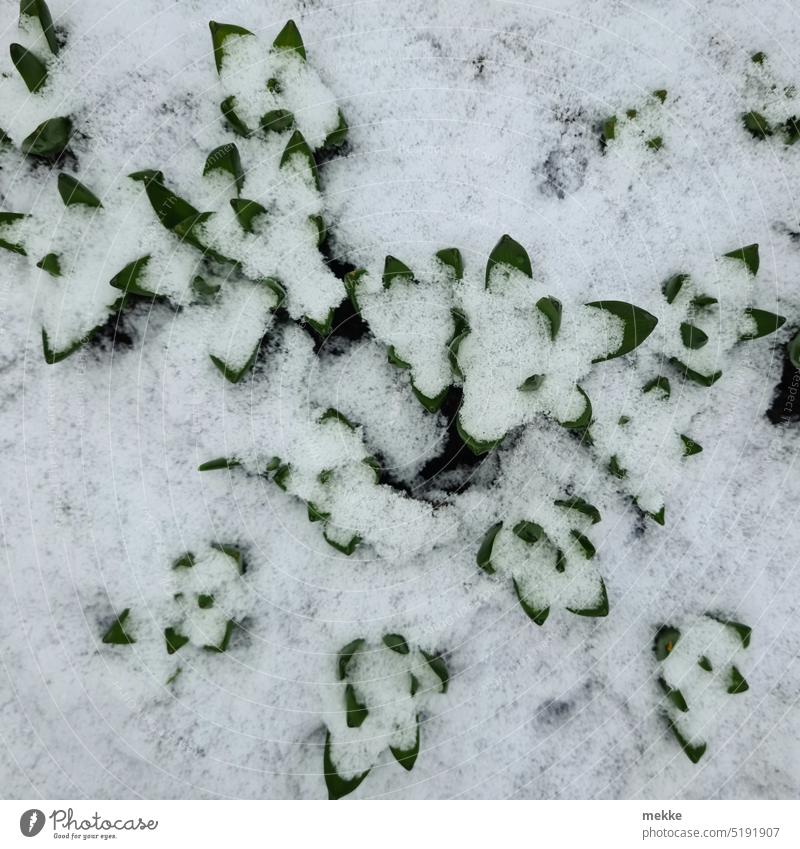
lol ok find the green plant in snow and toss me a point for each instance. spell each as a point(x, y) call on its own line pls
point(636, 126)
point(773, 111)
point(708, 317)
point(548, 559)
point(696, 671)
point(384, 690)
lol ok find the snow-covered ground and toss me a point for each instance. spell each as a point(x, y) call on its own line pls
point(468, 120)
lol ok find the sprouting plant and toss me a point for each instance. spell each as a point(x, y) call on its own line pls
point(709, 316)
point(696, 670)
point(639, 126)
point(384, 690)
point(773, 108)
point(548, 558)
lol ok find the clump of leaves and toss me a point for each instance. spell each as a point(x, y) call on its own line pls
point(777, 113)
point(548, 560)
point(696, 670)
point(635, 122)
point(385, 687)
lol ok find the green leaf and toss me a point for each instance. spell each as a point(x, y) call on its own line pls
point(298, 146)
point(452, 352)
point(581, 506)
point(609, 129)
point(49, 263)
point(659, 382)
point(510, 254)
point(315, 514)
point(346, 655)
point(661, 94)
point(220, 33)
point(656, 143)
point(432, 405)
point(589, 550)
point(672, 287)
point(226, 158)
point(600, 610)
point(289, 39)
point(615, 468)
point(737, 682)
point(281, 475)
point(185, 561)
point(694, 753)
point(765, 322)
point(73, 192)
point(757, 125)
point(332, 414)
point(551, 308)
point(228, 109)
point(666, 638)
point(232, 374)
point(703, 379)
point(30, 67)
point(246, 211)
point(338, 787)
point(703, 301)
point(704, 663)
point(351, 285)
point(394, 270)
point(116, 635)
point(345, 548)
point(748, 255)
point(336, 138)
point(690, 447)
point(174, 640)
point(638, 325)
point(128, 279)
point(52, 357)
point(476, 446)
point(397, 362)
point(452, 258)
point(170, 209)
point(793, 349)
point(439, 668)
point(277, 121)
point(531, 384)
point(529, 532)
point(38, 9)
point(356, 711)
point(50, 138)
point(407, 757)
point(485, 551)
point(659, 517)
point(675, 696)
point(396, 642)
point(538, 616)
point(219, 463)
point(759, 57)
point(414, 681)
point(319, 225)
point(9, 218)
point(692, 337)
point(235, 554)
point(744, 631)
point(223, 644)
point(585, 418)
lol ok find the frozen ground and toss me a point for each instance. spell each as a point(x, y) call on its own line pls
point(467, 120)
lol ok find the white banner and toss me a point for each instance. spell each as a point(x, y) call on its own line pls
point(403, 825)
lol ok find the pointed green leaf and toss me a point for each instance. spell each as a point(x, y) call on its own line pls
point(485, 551)
point(298, 146)
point(356, 711)
point(675, 696)
point(692, 337)
point(289, 39)
point(38, 9)
point(748, 255)
point(338, 787)
point(246, 211)
point(394, 270)
point(551, 308)
point(529, 532)
point(703, 379)
point(397, 643)
point(174, 640)
point(226, 158)
point(532, 383)
point(351, 285)
point(601, 609)
point(452, 258)
point(128, 280)
point(588, 549)
point(397, 362)
point(277, 121)
point(432, 405)
point(50, 138)
point(452, 353)
point(52, 357)
point(170, 209)
point(757, 125)
point(185, 561)
point(232, 374)
point(704, 663)
point(438, 666)
point(228, 109)
point(744, 631)
point(10, 218)
point(315, 514)
point(638, 325)
point(693, 752)
point(690, 447)
point(672, 287)
point(585, 418)
point(581, 506)
point(73, 191)
point(345, 548)
point(337, 137)
point(49, 263)
point(737, 683)
point(332, 414)
point(476, 446)
point(661, 94)
point(407, 757)
point(346, 655)
point(222, 645)
point(659, 382)
point(538, 616)
point(219, 463)
point(510, 254)
point(765, 322)
point(30, 67)
point(220, 33)
point(116, 635)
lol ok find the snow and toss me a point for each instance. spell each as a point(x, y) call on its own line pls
point(462, 128)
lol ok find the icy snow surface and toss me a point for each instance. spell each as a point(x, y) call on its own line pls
point(467, 120)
